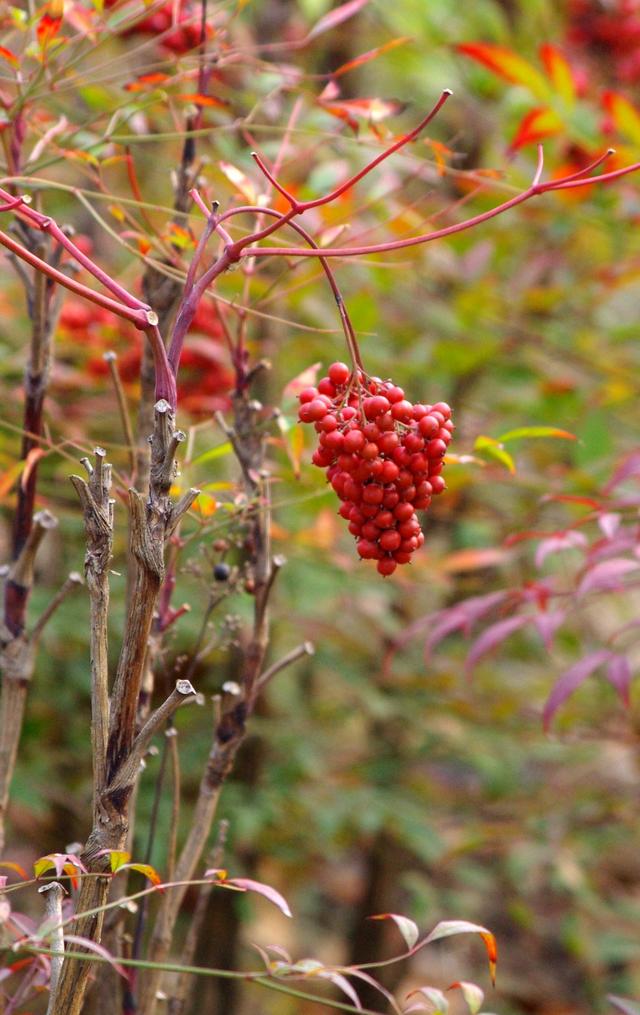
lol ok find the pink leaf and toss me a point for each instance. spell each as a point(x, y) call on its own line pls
point(570, 681)
point(493, 637)
point(562, 541)
point(618, 673)
point(361, 975)
point(407, 927)
point(547, 623)
point(609, 523)
point(607, 575)
point(629, 468)
point(461, 617)
point(343, 984)
point(335, 17)
point(247, 885)
point(93, 946)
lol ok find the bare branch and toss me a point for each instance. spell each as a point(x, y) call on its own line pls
point(306, 649)
point(54, 893)
point(72, 582)
point(182, 694)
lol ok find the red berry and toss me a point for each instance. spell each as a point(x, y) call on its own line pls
point(389, 472)
point(403, 512)
point(316, 410)
point(394, 393)
point(370, 451)
point(370, 531)
point(390, 540)
point(373, 494)
point(353, 441)
point(384, 519)
point(339, 374)
point(386, 566)
point(367, 549)
point(375, 406)
point(437, 484)
point(443, 408)
point(402, 411)
point(328, 422)
point(325, 387)
point(436, 448)
point(333, 441)
point(308, 394)
point(389, 442)
point(428, 426)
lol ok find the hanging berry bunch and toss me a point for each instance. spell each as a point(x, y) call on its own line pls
point(383, 456)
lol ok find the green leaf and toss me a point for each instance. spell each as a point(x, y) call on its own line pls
point(536, 431)
point(492, 448)
point(208, 456)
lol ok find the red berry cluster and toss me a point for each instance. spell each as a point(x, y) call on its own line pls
point(383, 458)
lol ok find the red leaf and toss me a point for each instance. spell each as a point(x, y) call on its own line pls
point(508, 65)
point(9, 56)
point(560, 73)
point(50, 23)
point(371, 54)
point(202, 100)
point(570, 681)
point(10, 866)
point(335, 17)
point(372, 110)
point(492, 637)
point(146, 81)
point(537, 124)
point(624, 115)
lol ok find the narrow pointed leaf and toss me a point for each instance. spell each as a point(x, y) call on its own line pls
point(625, 1005)
point(537, 124)
point(494, 449)
point(536, 431)
point(618, 673)
point(447, 928)
point(607, 576)
point(371, 54)
point(248, 885)
point(570, 540)
point(437, 1000)
point(407, 927)
point(560, 73)
point(508, 65)
point(624, 115)
point(11, 866)
point(492, 637)
point(472, 993)
point(336, 16)
point(93, 946)
point(570, 681)
point(146, 869)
